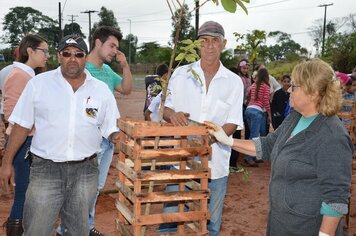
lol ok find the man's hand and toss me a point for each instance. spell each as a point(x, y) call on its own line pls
point(179, 119)
point(6, 174)
point(121, 59)
point(219, 133)
point(114, 137)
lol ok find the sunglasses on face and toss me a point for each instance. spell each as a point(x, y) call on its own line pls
point(69, 54)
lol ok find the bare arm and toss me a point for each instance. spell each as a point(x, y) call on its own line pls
point(247, 147)
point(125, 86)
point(329, 225)
point(147, 115)
point(17, 138)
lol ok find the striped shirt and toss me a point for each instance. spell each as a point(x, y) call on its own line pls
point(263, 97)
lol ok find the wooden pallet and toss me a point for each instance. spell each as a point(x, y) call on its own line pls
point(143, 143)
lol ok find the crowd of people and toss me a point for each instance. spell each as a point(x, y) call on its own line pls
point(62, 127)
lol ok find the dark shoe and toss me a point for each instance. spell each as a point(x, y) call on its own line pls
point(13, 227)
point(251, 163)
point(259, 161)
point(95, 232)
point(58, 234)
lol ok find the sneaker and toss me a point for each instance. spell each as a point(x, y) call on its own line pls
point(58, 234)
point(95, 232)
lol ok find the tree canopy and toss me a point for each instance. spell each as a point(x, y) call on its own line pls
point(23, 20)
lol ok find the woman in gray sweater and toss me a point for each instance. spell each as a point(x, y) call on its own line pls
point(310, 154)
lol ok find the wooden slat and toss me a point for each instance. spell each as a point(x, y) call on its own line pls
point(173, 174)
point(125, 212)
point(123, 229)
point(172, 217)
point(128, 193)
point(174, 152)
point(173, 196)
point(127, 171)
point(147, 129)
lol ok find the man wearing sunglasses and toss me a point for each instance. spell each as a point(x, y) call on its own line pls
point(104, 49)
point(71, 111)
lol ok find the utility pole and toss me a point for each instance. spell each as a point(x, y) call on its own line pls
point(324, 27)
point(72, 20)
point(89, 13)
point(60, 34)
point(196, 18)
point(129, 43)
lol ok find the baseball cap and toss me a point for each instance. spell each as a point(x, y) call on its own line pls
point(211, 28)
point(74, 41)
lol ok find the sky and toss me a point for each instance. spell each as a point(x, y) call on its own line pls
point(150, 20)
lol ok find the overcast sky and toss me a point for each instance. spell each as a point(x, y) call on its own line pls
point(151, 19)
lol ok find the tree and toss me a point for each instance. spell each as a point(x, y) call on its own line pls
point(73, 28)
point(284, 49)
point(107, 18)
point(153, 53)
point(23, 20)
point(341, 49)
point(187, 31)
point(251, 43)
point(316, 30)
point(126, 49)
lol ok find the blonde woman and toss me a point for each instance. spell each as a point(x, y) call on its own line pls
point(310, 154)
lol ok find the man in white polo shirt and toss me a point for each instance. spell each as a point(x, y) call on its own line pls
point(71, 111)
point(216, 97)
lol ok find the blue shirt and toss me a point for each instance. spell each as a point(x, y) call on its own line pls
point(105, 74)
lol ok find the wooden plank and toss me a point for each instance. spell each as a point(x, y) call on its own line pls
point(144, 128)
point(125, 212)
point(128, 193)
point(173, 196)
point(127, 171)
point(173, 175)
point(174, 152)
point(123, 229)
point(154, 219)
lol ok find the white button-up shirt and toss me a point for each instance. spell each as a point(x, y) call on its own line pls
point(221, 104)
point(69, 125)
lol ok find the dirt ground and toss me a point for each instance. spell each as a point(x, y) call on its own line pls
point(246, 203)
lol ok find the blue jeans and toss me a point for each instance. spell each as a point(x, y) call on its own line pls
point(22, 172)
point(64, 189)
point(256, 121)
point(218, 189)
point(104, 161)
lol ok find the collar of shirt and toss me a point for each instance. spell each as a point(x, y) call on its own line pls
point(25, 68)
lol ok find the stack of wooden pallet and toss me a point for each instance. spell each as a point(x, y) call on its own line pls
point(143, 148)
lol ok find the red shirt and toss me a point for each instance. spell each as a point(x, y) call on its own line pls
point(263, 97)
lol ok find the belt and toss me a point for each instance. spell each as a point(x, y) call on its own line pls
point(70, 162)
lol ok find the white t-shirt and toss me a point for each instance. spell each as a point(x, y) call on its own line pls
point(154, 108)
point(221, 104)
point(69, 125)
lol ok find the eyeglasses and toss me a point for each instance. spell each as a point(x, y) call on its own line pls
point(293, 86)
point(69, 54)
point(45, 51)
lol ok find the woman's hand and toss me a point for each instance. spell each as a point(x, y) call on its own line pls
point(219, 133)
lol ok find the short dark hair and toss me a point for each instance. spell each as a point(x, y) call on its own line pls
point(29, 41)
point(161, 69)
point(102, 33)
